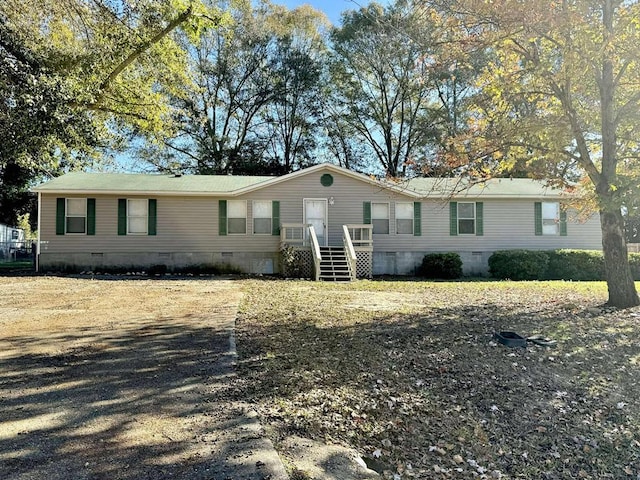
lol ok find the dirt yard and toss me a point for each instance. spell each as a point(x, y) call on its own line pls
point(123, 379)
point(118, 379)
point(408, 374)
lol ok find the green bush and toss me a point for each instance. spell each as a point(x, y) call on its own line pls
point(634, 262)
point(575, 265)
point(578, 265)
point(441, 265)
point(158, 269)
point(518, 264)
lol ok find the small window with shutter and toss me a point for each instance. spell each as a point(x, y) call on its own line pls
point(380, 218)
point(404, 218)
point(236, 217)
point(262, 210)
point(76, 215)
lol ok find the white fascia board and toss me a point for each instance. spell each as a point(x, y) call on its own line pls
point(332, 168)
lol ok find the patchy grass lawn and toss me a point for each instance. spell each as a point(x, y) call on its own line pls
point(407, 373)
point(19, 265)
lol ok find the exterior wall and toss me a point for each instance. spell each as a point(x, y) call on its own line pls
point(259, 263)
point(508, 224)
point(405, 263)
point(187, 230)
point(187, 234)
point(346, 193)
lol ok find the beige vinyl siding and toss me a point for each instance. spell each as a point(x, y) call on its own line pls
point(508, 224)
point(348, 195)
point(190, 224)
point(187, 224)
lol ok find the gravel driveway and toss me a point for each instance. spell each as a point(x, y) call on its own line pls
point(123, 379)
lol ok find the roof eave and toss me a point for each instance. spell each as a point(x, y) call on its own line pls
point(542, 196)
point(157, 193)
point(335, 169)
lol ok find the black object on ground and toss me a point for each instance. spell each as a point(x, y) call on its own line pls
point(510, 339)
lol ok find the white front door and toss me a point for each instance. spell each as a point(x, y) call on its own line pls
point(315, 213)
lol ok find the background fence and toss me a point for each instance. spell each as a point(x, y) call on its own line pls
point(15, 251)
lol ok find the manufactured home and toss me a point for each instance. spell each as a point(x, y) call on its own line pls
point(338, 222)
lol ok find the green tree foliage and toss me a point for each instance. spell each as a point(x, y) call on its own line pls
point(397, 85)
point(250, 102)
point(76, 75)
point(293, 118)
point(40, 134)
point(560, 100)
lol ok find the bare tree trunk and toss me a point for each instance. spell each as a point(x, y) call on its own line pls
point(622, 290)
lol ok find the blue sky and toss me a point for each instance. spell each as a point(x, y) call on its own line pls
point(331, 8)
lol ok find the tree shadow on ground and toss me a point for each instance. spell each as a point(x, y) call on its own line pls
point(149, 402)
point(424, 387)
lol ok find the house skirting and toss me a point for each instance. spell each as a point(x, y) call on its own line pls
point(380, 263)
point(247, 262)
point(407, 263)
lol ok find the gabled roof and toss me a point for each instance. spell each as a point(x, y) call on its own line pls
point(140, 183)
point(492, 188)
point(82, 183)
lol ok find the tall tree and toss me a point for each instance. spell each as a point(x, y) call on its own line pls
point(248, 105)
point(340, 136)
point(561, 99)
point(293, 118)
point(75, 74)
point(386, 71)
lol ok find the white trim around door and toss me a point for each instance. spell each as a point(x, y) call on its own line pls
point(316, 213)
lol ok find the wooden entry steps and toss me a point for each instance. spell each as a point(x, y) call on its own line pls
point(334, 266)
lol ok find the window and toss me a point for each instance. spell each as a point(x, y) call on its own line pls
point(550, 218)
point(262, 222)
point(404, 218)
point(76, 215)
point(466, 218)
point(137, 216)
point(236, 217)
point(380, 218)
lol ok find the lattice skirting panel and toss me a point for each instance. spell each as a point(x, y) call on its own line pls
point(302, 266)
point(364, 264)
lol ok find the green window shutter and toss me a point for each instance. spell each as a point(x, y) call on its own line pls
point(417, 219)
point(366, 213)
point(222, 217)
point(60, 206)
point(91, 216)
point(479, 219)
point(275, 217)
point(537, 212)
point(563, 222)
point(453, 218)
point(122, 216)
point(152, 218)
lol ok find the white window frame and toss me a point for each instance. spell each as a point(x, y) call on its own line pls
point(67, 216)
point(551, 221)
point(145, 202)
point(388, 218)
point(269, 204)
point(229, 217)
point(474, 218)
point(412, 219)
